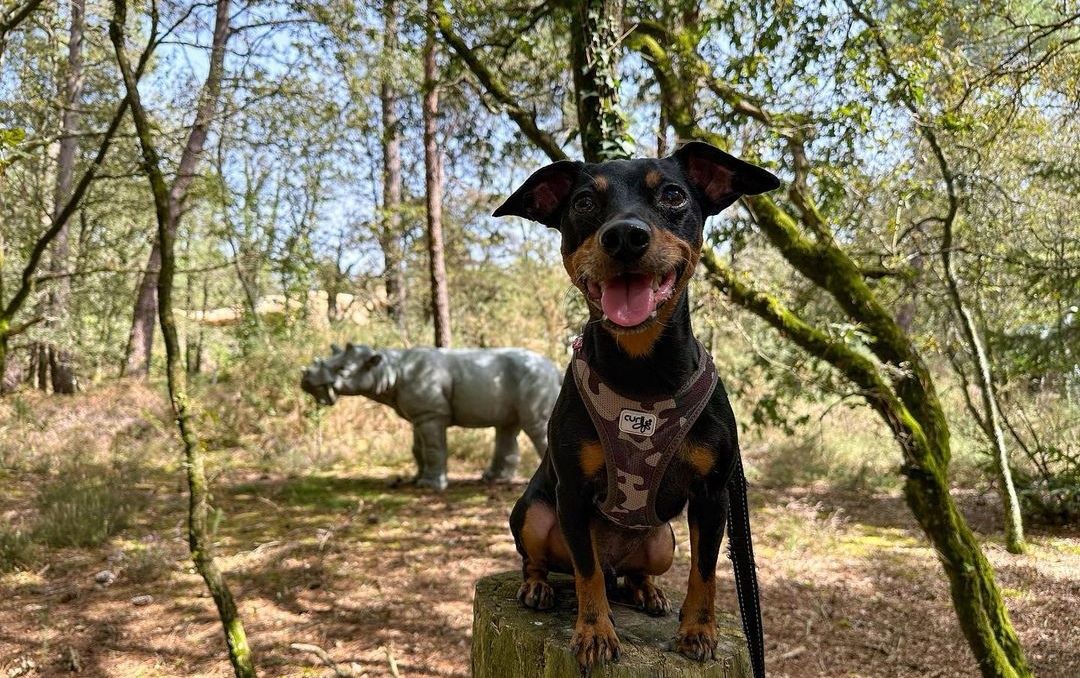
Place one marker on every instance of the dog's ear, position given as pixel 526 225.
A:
pixel 543 195
pixel 721 179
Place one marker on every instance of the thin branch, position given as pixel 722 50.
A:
pixel 491 82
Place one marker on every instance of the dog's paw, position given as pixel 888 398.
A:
pixel 536 594
pixel 697 640
pixel 595 642
pixel 648 597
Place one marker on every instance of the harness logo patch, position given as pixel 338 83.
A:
pixel 637 423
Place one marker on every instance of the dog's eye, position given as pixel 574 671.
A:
pixel 673 196
pixel 584 204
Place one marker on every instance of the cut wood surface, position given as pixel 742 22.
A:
pixel 511 641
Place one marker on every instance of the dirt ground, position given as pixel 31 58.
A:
pixel 379 575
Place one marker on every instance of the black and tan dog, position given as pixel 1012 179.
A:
pixel 642 426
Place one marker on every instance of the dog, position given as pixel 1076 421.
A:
pixel 642 426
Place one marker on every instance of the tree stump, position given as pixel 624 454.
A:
pixel 511 641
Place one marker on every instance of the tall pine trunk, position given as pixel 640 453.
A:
pixel 60 359
pixel 141 336
pixel 390 236
pixel 440 295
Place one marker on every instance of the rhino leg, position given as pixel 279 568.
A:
pixel 507 455
pixel 430 433
pixel 418 454
pixel 538 435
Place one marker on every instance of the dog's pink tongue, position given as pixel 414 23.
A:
pixel 628 299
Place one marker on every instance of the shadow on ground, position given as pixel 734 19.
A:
pixel 372 573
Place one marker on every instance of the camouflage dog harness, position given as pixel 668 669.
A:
pixel 639 437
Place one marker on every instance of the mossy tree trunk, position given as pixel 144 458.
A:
pixel 893 377
pixel 595 51
pixel 991 420
pixel 167 211
pixel 512 641
pixel 896 382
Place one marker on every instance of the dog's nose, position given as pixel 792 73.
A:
pixel 625 239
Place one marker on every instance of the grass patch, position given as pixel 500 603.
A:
pixel 143 562
pixel 83 505
pixel 16 550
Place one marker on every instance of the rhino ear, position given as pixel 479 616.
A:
pixel 349 346
pixel 375 359
pixel 335 349
pixel 543 195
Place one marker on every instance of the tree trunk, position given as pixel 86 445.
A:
pixel 440 295
pixel 595 34
pixel 6 385
pixel 924 442
pixel 167 212
pixel 511 641
pixel 390 239
pixel 990 423
pixel 908 404
pixel 42 376
pixel 60 359
pixel 141 336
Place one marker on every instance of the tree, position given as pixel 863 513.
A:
pixel 28 280
pixel 167 202
pixel 440 295
pixel 11 17
pixel 60 366
pixel 890 373
pixel 595 35
pixel 390 234
pixel 141 336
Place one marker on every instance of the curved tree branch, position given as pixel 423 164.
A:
pixel 525 120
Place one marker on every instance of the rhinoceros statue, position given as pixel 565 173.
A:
pixel 508 389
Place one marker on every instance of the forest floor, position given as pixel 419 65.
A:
pixel 378 575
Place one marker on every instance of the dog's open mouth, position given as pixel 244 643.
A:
pixel 632 299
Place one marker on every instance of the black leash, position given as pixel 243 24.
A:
pixel 741 552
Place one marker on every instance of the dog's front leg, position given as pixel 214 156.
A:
pixel 707 515
pixel 594 639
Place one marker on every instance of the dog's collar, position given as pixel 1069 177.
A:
pixel 639 437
